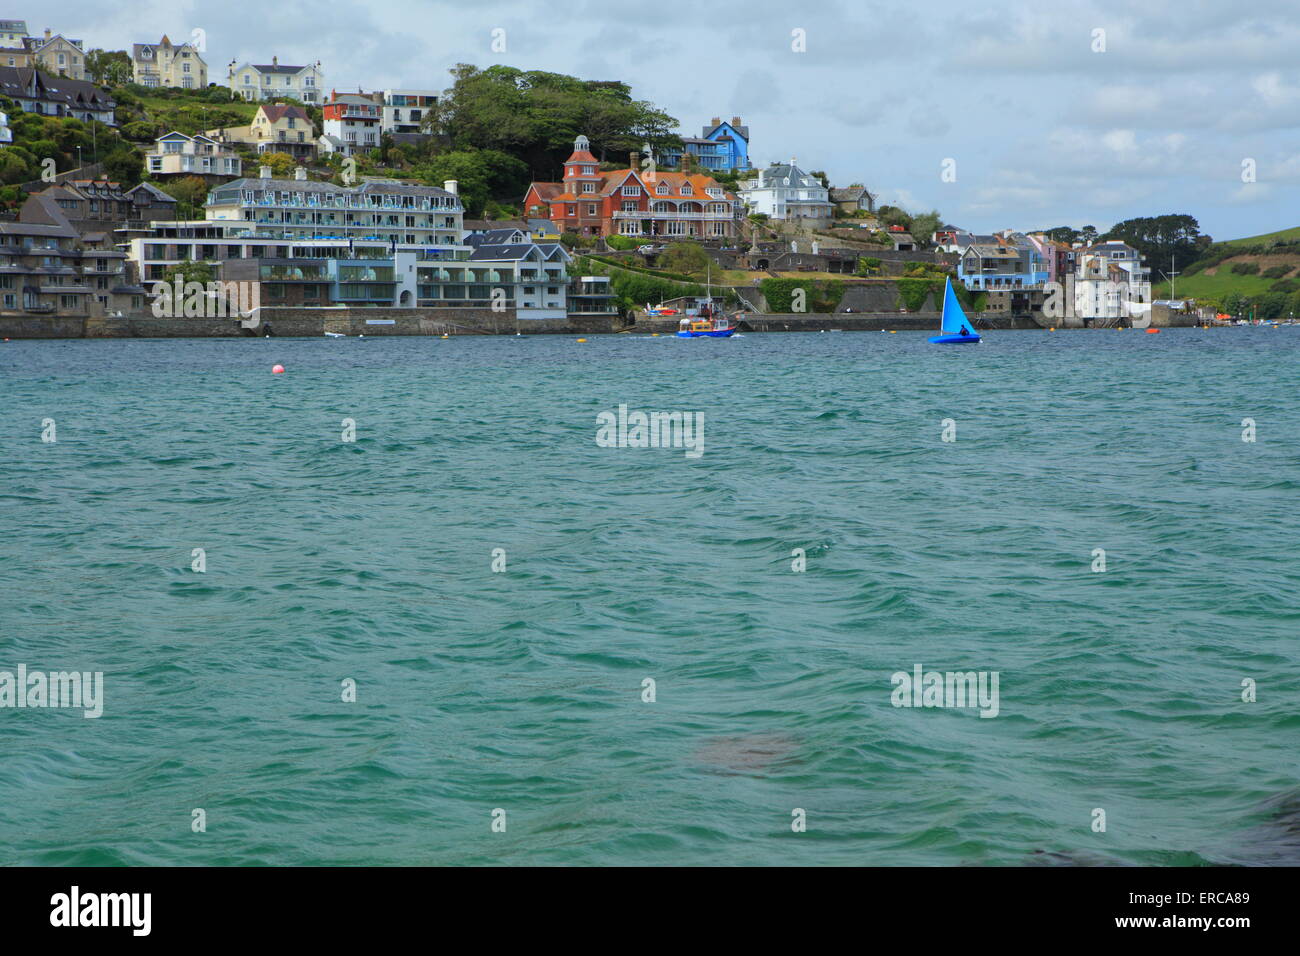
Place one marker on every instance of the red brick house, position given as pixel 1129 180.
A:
pixel 631 202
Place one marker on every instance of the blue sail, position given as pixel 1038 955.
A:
pixel 953 316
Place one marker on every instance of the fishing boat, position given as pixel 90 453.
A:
pixel 954 327
pixel 718 327
pixel 711 323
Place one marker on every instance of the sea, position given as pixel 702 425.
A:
pixel 406 604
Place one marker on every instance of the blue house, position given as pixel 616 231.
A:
pixel 720 148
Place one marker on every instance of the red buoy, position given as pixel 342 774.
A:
pixel 277 370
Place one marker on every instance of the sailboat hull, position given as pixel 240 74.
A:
pixel 955 338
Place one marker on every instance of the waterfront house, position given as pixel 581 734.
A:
pixel 176 154
pixel 786 193
pixel 38 92
pixel 719 148
pixel 352 122
pixel 292 219
pixel 629 202
pixel 270 81
pixel 276 128
pixel 47 268
pixel 164 64
pixel 1110 282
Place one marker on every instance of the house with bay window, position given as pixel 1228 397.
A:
pixel 632 202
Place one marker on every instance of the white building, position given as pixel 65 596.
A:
pixel 784 191
pixel 405 110
pixel 176 154
pixel 351 123
pixel 270 81
pixel 1111 282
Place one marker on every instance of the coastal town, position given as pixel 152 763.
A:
pixel 338 211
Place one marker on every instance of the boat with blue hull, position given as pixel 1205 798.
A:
pixel 719 327
pixel 954 327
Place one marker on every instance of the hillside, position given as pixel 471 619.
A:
pixel 1284 235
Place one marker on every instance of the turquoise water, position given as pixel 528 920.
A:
pixel 522 690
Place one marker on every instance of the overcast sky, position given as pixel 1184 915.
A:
pixel 1043 129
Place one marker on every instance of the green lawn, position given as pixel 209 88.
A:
pixel 1281 235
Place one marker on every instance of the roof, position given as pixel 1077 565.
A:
pixel 612 180
pixel 22 82
pixel 275 68
pixel 742 130
pixel 278 111
pixel 848 193
pixel 232 189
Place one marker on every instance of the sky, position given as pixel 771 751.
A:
pixel 1007 115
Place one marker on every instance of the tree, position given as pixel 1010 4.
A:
pixel 109 67
pixel 190 194
pixel 191 271
pixel 1162 239
pixel 1088 235
pixel 925 226
pixel 820 175
pixel 480 174
pixel 282 164
pixel 684 258
pixel 123 165
pixel 535 116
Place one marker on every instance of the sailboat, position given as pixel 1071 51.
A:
pixel 954 328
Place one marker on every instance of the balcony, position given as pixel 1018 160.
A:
pixel 683 216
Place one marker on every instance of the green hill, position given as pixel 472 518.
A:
pixel 1282 235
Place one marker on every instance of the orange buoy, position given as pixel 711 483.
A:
pixel 1152 331
pixel 277 370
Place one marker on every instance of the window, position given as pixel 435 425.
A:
pixel 662 189
pixel 591 209
pixel 588 187
pixel 631 191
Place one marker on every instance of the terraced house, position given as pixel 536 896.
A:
pixel 50 269
pixel 630 202
pixel 38 92
pixel 166 64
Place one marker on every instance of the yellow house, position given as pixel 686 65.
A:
pixel 166 64
pixel 56 54
pixel 276 128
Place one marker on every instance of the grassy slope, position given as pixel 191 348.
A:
pixel 1292 233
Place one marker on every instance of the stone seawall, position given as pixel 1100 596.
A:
pixel 306 322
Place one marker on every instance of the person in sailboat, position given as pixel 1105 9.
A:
pixel 964 331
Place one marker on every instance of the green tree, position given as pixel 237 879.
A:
pixel 109 67
pixel 190 194
pixel 123 165
pixel 924 226
pixel 480 175
pixel 684 258
pixel 192 271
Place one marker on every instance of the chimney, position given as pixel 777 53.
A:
pixel 452 187
pixel 47 33
pixel 716 121
pixel 634 159
pixel 275 61
pixel 735 121
pixel 299 173
pixel 264 172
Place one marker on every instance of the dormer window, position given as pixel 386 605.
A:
pixel 686 189
pixel 662 189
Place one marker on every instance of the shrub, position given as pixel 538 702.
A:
pixel 1276 272
pixel 1245 268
